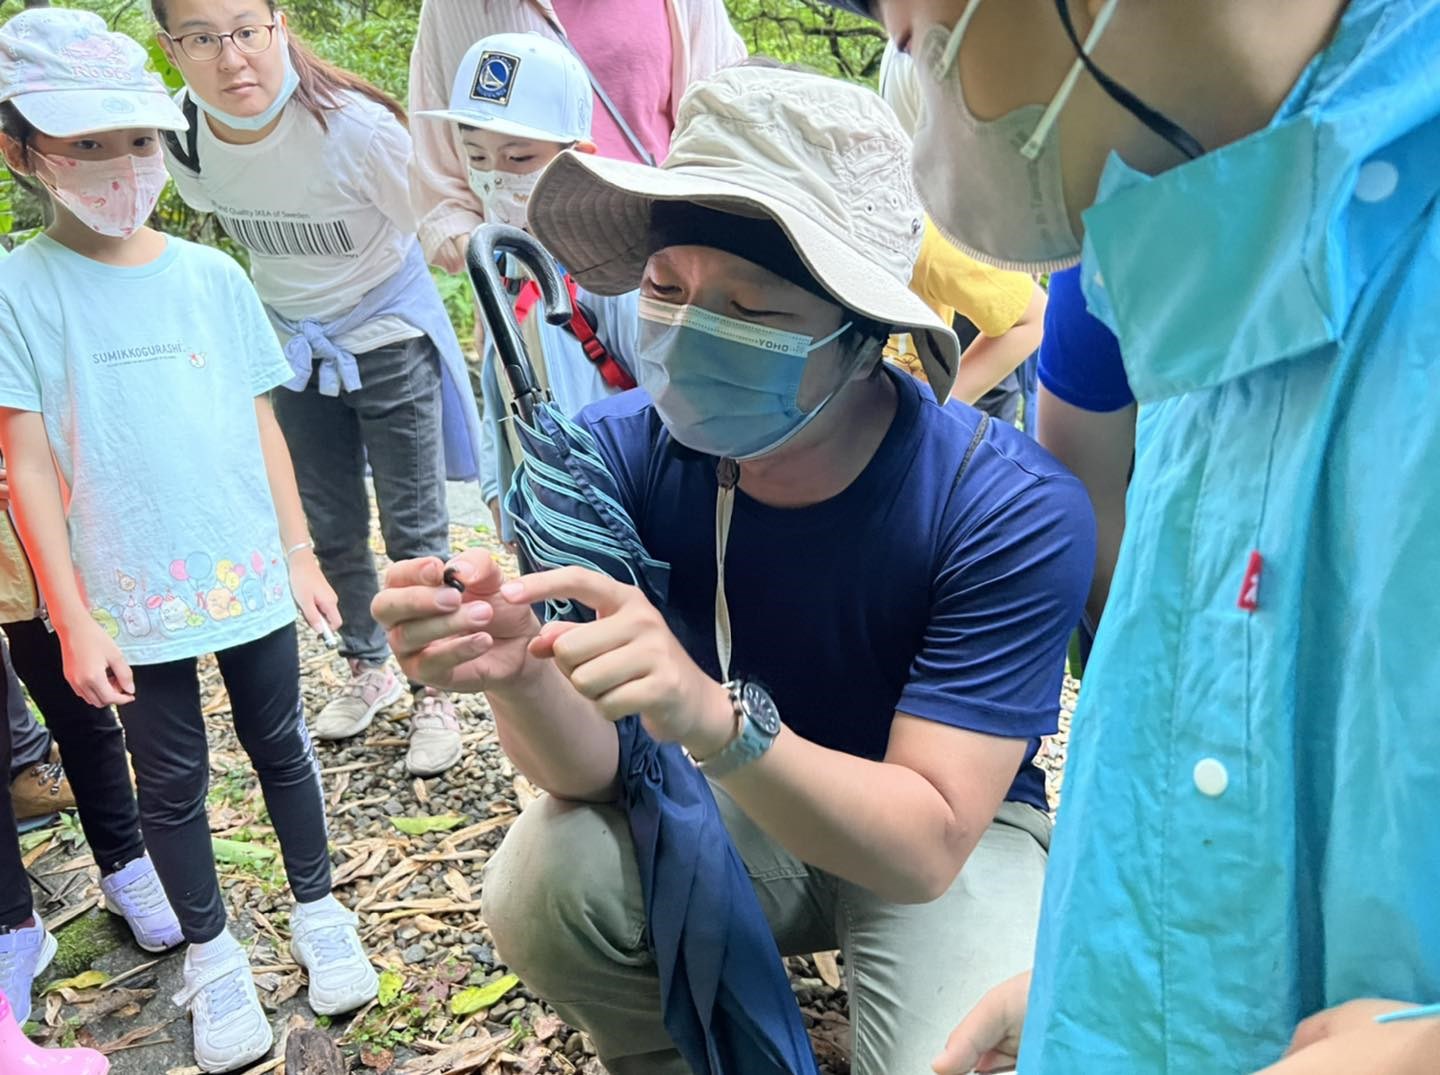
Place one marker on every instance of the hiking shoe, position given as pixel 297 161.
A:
pixel 24 955
pixel 434 735
pixel 41 789
pixel 229 1025
pixel 371 688
pixel 324 941
pixel 134 893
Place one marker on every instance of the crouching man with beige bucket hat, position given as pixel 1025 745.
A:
pixel 868 724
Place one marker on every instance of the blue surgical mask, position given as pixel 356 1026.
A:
pixel 263 119
pixel 722 386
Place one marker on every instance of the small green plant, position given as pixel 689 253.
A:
pixel 232 788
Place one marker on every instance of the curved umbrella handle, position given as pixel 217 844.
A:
pixel 485 242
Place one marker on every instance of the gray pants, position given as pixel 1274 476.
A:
pixel 29 741
pixel 562 898
pixel 393 420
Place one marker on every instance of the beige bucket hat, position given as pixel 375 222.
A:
pixel 824 159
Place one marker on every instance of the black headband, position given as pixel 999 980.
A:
pixel 758 240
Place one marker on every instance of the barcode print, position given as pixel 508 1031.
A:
pixel 282 238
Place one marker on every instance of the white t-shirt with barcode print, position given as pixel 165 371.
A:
pixel 324 214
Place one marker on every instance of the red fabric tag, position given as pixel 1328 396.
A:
pixel 1250 588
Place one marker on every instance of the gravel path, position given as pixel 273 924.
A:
pixel 448 1003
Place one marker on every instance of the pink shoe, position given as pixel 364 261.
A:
pixel 20 1056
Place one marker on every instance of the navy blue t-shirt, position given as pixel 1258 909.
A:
pixel 1079 356
pixel 907 591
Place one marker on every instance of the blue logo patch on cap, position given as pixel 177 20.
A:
pixel 117 106
pixel 495 77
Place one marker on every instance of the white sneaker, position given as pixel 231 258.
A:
pixel 435 743
pixel 24 955
pixel 135 894
pixel 371 688
pixel 325 942
pixel 231 1029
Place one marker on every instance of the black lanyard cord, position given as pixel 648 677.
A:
pixel 1168 129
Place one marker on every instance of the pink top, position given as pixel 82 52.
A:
pixel 627 46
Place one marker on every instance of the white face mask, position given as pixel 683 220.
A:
pixel 995 187
pixel 505 196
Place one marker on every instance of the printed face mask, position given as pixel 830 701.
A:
pixel 111 197
pixel 722 386
pixel 994 186
pixel 505 196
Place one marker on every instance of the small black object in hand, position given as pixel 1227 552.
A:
pixel 452 579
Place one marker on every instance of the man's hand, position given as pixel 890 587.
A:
pixel 988 1039
pixel 94 667
pixel 628 661
pixel 314 596
pixel 475 641
pixel 1347 1039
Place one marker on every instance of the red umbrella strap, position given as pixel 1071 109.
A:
pixel 580 327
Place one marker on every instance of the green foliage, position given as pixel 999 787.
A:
pixel 419 826
pixel 84 941
pixel 479 998
pixel 811 33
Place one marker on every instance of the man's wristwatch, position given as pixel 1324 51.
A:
pixel 758 723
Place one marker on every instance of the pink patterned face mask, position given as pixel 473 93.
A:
pixel 111 197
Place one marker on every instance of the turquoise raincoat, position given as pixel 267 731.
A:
pixel 1250 829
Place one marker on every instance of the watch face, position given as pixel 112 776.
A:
pixel 760 709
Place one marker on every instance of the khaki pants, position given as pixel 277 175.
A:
pixel 562 898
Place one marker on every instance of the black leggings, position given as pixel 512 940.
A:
pixel 92 747
pixel 15 905
pixel 165 732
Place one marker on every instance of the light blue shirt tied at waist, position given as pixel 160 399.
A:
pixel 410 295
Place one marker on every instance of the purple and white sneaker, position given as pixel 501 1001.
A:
pixel 134 893
pixel 25 952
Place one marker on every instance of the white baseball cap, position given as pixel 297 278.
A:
pixel 522 84
pixel 68 74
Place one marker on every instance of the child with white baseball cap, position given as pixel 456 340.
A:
pixel 518 102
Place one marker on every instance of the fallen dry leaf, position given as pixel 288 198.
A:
pixel 134 1039
pixel 459 1059
pixel 456 883
pixel 828 969
pixel 379 1060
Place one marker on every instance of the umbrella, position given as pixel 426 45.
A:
pixel 726 1000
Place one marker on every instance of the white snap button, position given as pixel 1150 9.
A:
pixel 1211 777
pixel 1377 181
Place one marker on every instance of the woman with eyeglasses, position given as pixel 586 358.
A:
pixel 304 165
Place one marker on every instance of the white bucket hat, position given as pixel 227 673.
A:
pixel 68 74
pixel 524 85
pixel 824 159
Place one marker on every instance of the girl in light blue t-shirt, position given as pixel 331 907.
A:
pixel 137 367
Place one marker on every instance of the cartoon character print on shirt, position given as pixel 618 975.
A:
pixel 132 614
pixel 222 590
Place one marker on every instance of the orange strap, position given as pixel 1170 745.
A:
pixel 611 371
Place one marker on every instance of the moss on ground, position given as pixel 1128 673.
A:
pixel 83 941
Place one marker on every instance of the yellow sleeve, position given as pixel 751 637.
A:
pixel 949 280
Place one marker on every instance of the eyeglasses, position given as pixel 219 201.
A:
pixel 204 46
